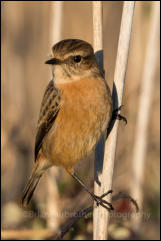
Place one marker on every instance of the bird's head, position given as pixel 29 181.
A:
pixel 72 59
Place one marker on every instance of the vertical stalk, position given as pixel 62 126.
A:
pixel 53 208
pixel 98 48
pixel 140 144
pixel 101 216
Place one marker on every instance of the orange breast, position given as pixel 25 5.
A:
pixel 85 112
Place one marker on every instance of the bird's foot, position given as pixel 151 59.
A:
pixel 117 116
pixel 100 201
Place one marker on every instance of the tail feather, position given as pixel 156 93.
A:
pixel 31 185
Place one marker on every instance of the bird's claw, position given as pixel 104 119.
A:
pixel 100 201
pixel 117 116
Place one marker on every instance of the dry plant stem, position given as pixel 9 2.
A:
pixel 52 191
pixel 56 21
pixel 147 83
pixel 105 177
pixel 98 31
pixel 98 48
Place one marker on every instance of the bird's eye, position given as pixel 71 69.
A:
pixel 77 58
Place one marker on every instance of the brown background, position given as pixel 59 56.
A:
pixel 25 47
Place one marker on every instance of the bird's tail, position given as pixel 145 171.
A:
pixel 31 185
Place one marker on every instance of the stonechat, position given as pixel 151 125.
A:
pixel 75 112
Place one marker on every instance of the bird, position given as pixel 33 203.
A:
pixel 75 112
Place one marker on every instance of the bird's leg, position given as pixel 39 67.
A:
pixel 116 115
pixel 98 199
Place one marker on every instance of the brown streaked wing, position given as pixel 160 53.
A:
pixel 48 112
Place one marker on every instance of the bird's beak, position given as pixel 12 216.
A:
pixel 53 61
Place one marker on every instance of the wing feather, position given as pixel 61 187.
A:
pixel 48 112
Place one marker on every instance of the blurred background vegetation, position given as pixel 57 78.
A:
pixel 25 47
